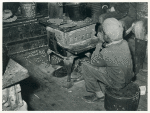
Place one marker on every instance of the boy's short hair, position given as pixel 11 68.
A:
pixel 113 29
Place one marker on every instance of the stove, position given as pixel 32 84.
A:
pixel 76 38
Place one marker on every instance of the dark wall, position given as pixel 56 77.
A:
pixel 42 8
pixel 13 6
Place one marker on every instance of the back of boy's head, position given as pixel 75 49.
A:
pixel 140 30
pixel 113 29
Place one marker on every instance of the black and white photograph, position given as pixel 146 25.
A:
pixel 74 56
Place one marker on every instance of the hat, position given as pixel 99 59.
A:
pixel 113 29
pixel 8 16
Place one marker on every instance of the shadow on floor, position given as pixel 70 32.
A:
pixel 28 87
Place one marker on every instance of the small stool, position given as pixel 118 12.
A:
pixel 126 99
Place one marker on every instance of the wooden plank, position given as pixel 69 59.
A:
pixel 14 73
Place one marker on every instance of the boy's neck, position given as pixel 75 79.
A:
pixel 114 42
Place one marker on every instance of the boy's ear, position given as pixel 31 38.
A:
pixel 108 39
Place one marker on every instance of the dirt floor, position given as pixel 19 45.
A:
pixel 44 92
pixel 53 97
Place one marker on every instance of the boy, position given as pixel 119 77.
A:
pixel 111 66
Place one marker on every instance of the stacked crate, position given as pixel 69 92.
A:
pixel 12 99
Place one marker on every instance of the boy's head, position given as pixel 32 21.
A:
pixel 140 30
pixel 112 29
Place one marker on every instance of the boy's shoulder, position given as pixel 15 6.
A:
pixel 115 47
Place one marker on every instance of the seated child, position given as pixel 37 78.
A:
pixel 110 66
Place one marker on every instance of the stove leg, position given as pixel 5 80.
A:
pixel 68 65
pixel 49 57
